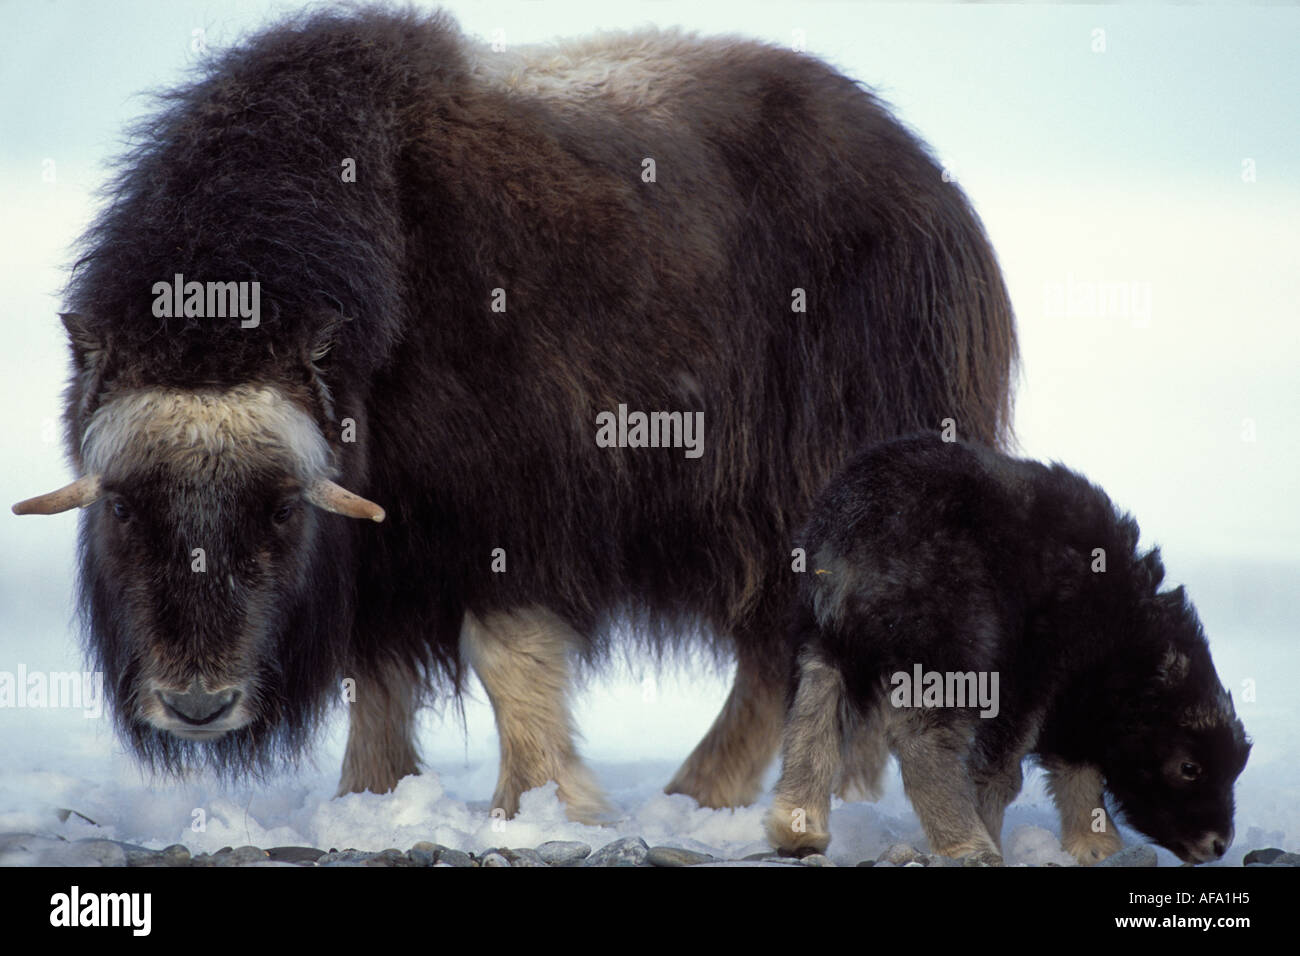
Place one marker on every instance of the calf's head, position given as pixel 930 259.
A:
pixel 1173 761
pixel 209 572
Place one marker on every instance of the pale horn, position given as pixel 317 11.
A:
pixel 325 494
pixel 82 492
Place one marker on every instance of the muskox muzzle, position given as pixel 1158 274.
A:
pixel 195 712
pixel 197 707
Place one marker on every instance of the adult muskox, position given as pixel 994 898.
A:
pixel 463 260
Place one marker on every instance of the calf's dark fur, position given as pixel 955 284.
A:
pixel 959 561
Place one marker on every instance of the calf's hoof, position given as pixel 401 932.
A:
pixel 1091 847
pixel 793 832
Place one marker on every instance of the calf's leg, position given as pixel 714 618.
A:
pixel 1087 831
pixel 866 753
pixel 932 758
pixel 811 748
pixel 995 788
pixel 996 770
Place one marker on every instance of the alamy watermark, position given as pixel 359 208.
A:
pixel 923 688
pixel 209 300
pixel 76 690
pixel 1096 299
pixel 74 908
pixel 651 430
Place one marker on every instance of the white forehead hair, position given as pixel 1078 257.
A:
pixel 204 431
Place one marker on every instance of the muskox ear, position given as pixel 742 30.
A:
pixel 1172 603
pixel 88 347
pixel 314 359
pixel 1173 667
pixel 90 351
pixel 326 337
pixel 1150 571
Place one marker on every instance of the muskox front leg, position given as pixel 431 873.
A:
pixel 996 770
pixel 381 731
pixel 726 768
pixel 995 788
pixel 933 761
pixel 1087 831
pixel 811 748
pixel 522 660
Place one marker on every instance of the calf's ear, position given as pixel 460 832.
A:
pixel 1173 667
pixel 1151 570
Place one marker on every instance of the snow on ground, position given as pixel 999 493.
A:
pixel 638 726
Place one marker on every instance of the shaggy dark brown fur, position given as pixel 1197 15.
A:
pixel 959 560
pixel 475 429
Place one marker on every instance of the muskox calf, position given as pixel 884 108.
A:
pixel 976 572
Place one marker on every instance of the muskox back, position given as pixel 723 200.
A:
pixel 776 180
pixel 468 258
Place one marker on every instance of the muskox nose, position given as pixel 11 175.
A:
pixel 1221 843
pixel 196 706
pixel 1212 846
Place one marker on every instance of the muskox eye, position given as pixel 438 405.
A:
pixel 121 511
pixel 1190 771
pixel 282 513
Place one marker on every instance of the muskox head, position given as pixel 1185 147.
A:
pixel 1178 746
pixel 211 578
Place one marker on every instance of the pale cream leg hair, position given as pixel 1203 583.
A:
pixel 381 732
pixel 935 779
pixel 522 660
pixel 726 768
pixel 1077 790
pixel 799 821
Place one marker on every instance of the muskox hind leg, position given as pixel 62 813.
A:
pixel 726 768
pixel 811 749
pixel 1087 831
pixel 934 766
pixel 866 753
pixel 381 731
pixel 522 660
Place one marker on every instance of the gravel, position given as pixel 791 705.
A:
pixel 1132 856
pixel 563 852
pixel 29 849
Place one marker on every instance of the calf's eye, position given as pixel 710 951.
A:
pixel 1190 771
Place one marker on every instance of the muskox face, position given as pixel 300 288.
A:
pixel 1172 769
pixel 204 548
